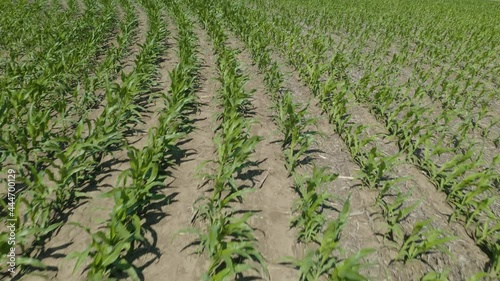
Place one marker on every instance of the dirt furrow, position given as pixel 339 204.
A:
pixel 274 196
pixel 152 99
pixel 176 261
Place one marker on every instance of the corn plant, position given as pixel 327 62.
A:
pixel 309 206
pixel 374 167
pixel 321 262
pixel 436 276
pixel 294 125
pixel 108 248
pixel 230 242
pixel 348 269
pixel 395 212
pixel 423 240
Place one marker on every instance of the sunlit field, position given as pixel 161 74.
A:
pixel 181 140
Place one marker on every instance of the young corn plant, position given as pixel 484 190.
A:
pixel 348 269
pixel 388 186
pixel 486 231
pixel 321 262
pixel 110 246
pixel 123 232
pixel 294 125
pixel 230 244
pixel 423 240
pixel 234 147
pixel 309 207
pixel 375 166
pixel 436 276
pixel 395 212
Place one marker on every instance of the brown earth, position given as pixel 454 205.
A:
pixel 274 195
pixel 178 261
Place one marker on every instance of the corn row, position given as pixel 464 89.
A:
pixel 228 239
